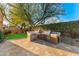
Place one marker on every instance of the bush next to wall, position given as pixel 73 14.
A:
pixel 1 36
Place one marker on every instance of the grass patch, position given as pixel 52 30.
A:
pixel 16 36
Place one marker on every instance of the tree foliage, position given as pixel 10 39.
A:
pixel 18 16
pixel 1 17
pixel 35 13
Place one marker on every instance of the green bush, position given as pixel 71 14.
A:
pixel 1 36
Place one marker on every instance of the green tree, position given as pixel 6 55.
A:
pixel 1 22
pixel 1 17
pixel 18 14
pixel 36 13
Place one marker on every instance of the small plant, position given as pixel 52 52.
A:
pixel 1 36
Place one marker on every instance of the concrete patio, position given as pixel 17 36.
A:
pixel 9 49
pixel 41 49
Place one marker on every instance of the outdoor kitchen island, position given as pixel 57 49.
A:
pixel 46 36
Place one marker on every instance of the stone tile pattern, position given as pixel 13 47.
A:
pixel 40 49
pixel 70 41
pixel 60 45
pixel 68 47
pixel 9 49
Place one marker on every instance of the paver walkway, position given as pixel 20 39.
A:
pixel 40 49
pixel 9 49
pixel 62 46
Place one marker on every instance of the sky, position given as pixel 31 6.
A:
pixel 71 11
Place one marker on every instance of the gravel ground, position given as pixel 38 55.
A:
pixel 9 49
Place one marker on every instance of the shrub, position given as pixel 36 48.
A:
pixel 6 32
pixel 1 36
